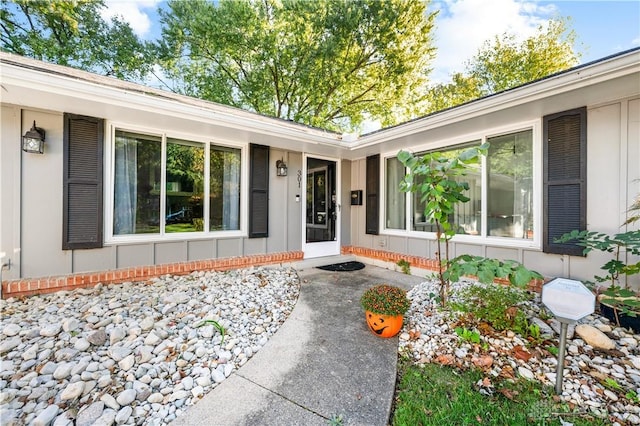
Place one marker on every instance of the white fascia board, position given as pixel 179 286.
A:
pixel 582 77
pixel 88 86
pixel 186 108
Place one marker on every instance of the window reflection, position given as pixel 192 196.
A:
pixel 185 187
pixel 139 186
pixel 224 189
pixel 466 217
pixel 136 198
pixel 510 189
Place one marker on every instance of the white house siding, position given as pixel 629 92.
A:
pixel 10 190
pixel 345 202
pixel 41 197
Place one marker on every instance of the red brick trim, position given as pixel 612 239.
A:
pixel 388 256
pixel 416 261
pixel 32 286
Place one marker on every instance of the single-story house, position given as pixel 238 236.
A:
pixel 135 182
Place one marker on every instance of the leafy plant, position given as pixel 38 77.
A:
pixel 622 300
pixel 553 350
pixel 405 265
pixel 634 211
pixel 435 176
pixel 623 246
pixel 385 299
pixel 487 270
pixel 467 335
pixel 612 384
pixel 336 420
pixel 533 331
pixel 495 304
pixel 632 396
pixel 216 324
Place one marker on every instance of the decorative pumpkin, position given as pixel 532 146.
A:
pixel 384 325
pixel 384 307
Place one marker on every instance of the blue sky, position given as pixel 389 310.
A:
pixel 603 27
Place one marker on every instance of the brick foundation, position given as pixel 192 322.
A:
pixel 417 262
pixel 32 286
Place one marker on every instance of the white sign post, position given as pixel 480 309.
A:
pixel 569 301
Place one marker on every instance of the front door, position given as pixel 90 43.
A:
pixel 321 209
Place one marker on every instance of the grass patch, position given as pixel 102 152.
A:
pixel 438 395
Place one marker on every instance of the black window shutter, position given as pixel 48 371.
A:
pixel 258 191
pixel 565 178
pixel 373 201
pixel 82 182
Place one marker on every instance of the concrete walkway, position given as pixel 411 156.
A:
pixel 322 363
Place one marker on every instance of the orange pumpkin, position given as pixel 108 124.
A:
pixel 384 325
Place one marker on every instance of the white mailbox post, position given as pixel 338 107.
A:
pixel 569 301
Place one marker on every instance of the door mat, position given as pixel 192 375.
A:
pixel 344 266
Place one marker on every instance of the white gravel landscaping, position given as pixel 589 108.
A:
pixel 134 353
pixel 428 336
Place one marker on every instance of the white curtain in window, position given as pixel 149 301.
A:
pixel 126 164
pixel 396 200
pixel 231 191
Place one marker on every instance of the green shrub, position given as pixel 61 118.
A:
pixel 492 303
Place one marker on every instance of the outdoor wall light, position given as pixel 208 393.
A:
pixel 281 168
pixel 33 140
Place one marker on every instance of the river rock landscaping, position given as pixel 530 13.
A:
pixel 135 353
pixel 142 353
pixel 602 363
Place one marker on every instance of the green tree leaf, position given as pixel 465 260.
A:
pixel 72 33
pixel 505 62
pixel 325 63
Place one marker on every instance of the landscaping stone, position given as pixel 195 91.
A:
pixel 587 366
pixel 46 416
pixel 133 353
pixel 594 337
pixel 90 414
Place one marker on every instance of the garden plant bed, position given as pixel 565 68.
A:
pixel 601 386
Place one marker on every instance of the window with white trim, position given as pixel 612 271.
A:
pixel 164 185
pixel 500 191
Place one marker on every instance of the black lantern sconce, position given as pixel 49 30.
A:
pixel 33 140
pixel 281 168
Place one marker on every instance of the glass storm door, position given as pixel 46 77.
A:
pixel 321 208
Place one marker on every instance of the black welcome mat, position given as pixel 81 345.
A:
pixel 344 266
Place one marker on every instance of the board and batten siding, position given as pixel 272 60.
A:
pixel 38 244
pixel 613 173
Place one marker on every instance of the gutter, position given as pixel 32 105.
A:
pixel 616 66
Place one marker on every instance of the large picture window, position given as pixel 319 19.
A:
pixel 156 193
pixel 504 178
